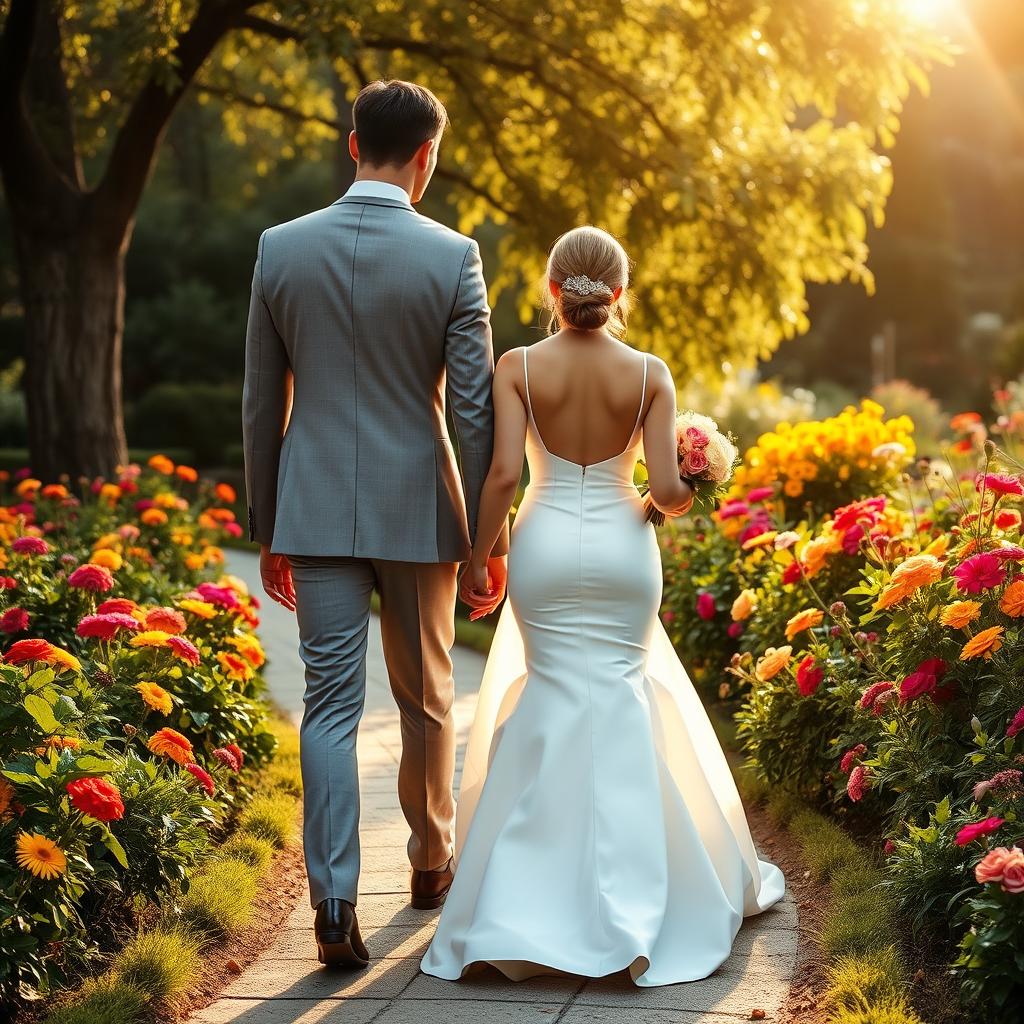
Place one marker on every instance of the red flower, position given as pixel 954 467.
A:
pixel 8 582
pixel 120 605
pixel 977 830
pixel 97 798
pixel 979 572
pixel 228 757
pixel 30 546
pixel 1017 724
pixel 705 605
pixel 204 777
pixel 184 649
pixel 846 764
pixel 235 749
pixel 28 650
pixel 808 676
pixel 92 577
pixel 872 693
pixel 857 783
pixel 922 680
pixel 867 510
pixel 735 630
pixel 1000 483
pixel 792 572
pixel 14 620
pixel 106 626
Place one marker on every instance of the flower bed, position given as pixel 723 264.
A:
pixel 130 700
pixel 872 646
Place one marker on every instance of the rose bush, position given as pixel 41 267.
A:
pixel 879 663
pixel 130 701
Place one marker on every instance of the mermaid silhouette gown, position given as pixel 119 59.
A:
pixel 598 825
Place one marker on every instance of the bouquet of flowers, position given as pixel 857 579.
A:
pixel 707 458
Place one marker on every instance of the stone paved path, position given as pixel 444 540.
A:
pixel 286 985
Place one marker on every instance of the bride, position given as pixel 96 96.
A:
pixel 598 825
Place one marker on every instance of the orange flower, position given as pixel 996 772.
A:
pixel 28 487
pixel 168 620
pixel 62 659
pixel 110 493
pixel 155 697
pixel 195 562
pixel 916 572
pixel 63 742
pixel 803 620
pixel 225 493
pixel 1012 601
pixel 7 792
pixel 250 649
pixel 187 473
pixel 983 644
pixel 107 558
pixel 235 667
pixel 42 856
pixel 161 464
pixel 170 743
pixel 55 491
pixel 774 660
pixel 744 605
pixel 153 517
pixel 815 553
pixel 938 546
pixel 960 613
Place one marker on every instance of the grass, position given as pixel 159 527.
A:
pixel 271 818
pixel 104 1001
pixel 162 963
pixel 250 850
pixel 220 899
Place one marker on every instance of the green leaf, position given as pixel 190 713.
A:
pixel 942 811
pixel 92 763
pixel 41 711
pixel 22 777
pixel 111 843
pixel 39 679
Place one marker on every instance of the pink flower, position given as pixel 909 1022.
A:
pixel 735 630
pixel 228 757
pixel 852 538
pixel 233 529
pixel 1013 877
pixel 977 830
pixel 30 546
pixel 705 606
pixel 991 867
pixel 808 676
pixel 1017 724
pixel 889 847
pixel 730 509
pixel 760 494
pixel 850 756
pixel 694 462
pixel 865 511
pixel 123 605
pixel 8 582
pixel 14 620
pixel 696 438
pixel 223 596
pixel 923 680
pixel 204 777
pixel 92 577
pixel 668 617
pixel 1000 483
pixel 106 625
pixel 184 649
pixel 871 694
pixel 979 572
pixel 857 783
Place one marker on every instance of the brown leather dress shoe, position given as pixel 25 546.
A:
pixel 429 888
pixel 338 942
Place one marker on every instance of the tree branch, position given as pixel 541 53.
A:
pixel 267 27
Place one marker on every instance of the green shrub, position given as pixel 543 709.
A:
pixel 162 963
pixel 858 983
pixel 857 924
pixel 105 1001
pixel 255 852
pixel 220 899
pixel 894 1011
pixel 271 818
pixel 202 417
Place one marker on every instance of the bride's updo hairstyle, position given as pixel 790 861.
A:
pixel 588 265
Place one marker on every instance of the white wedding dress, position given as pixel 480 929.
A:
pixel 598 826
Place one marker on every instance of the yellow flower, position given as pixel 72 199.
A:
pixel 42 856
pixel 960 613
pixel 62 659
pixel 814 554
pixel 744 605
pixel 109 540
pixel 166 499
pixel 150 638
pixel 774 660
pixel 985 643
pixel 938 546
pixel 107 558
pixel 793 488
pixel 201 609
pixel 760 540
pixel 195 562
pixel 910 575
pixel 236 583
pixel 803 620
pixel 155 697
pixel 250 649
pixel 1012 601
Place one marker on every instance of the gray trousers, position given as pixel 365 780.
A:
pixel 417 611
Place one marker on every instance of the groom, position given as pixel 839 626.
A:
pixel 362 317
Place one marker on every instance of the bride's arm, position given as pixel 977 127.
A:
pixel 669 493
pixel 503 477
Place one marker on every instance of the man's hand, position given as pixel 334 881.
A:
pixel 482 587
pixel 277 578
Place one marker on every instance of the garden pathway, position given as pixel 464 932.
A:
pixel 286 985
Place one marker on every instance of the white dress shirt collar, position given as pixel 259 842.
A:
pixel 369 189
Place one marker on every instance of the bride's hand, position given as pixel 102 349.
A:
pixel 475 589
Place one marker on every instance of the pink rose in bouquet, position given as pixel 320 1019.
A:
pixel 707 458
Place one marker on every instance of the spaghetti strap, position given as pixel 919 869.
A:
pixel 643 398
pixel 526 376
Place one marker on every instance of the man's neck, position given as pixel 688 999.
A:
pixel 390 175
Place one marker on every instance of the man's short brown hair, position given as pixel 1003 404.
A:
pixel 393 119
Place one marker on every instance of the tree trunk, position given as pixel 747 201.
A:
pixel 73 291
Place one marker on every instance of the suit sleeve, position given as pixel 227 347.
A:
pixel 264 408
pixel 469 359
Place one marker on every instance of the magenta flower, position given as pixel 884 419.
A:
pixel 735 630
pixel 872 693
pixel 14 620
pixel 922 680
pixel 857 783
pixel 999 483
pixel 107 625
pixel 846 764
pixel 92 577
pixel 979 572
pixel 705 605
pixel 760 494
pixel 1017 724
pixel 229 758
pixel 30 546
pixel 184 649
pixel 977 830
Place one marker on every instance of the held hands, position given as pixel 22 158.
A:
pixel 482 586
pixel 276 572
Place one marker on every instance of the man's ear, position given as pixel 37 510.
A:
pixel 554 287
pixel 422 157
pixel 353 146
